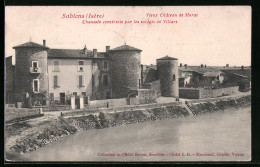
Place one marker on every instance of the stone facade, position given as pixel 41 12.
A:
pixel 24 75
pixel 101 90
pixel 106 75
pixel 167 69
pixel 9 75
pixel 126 71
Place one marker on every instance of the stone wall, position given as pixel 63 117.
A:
pixel 126 71
pixel 144 96
pixel 19 113
pixel 105 120
pixel 9 75
pixel 23 77
pixel 189 93
pixel 166 71
pixel 219 104
pixel 119 109
pixel 218 92
pixel 149 75
pixel 199 93
pixel 107 103
pixel 100 91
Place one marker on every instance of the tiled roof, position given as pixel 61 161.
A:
pixel 125 47
pixel 212 74
pixel 167 58
pixel 246 73
pixel 74 53
pixel 30 45
pixel 207 72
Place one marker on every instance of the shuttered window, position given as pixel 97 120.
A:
pixel 56 81
pixel 81 81
pixel 35 85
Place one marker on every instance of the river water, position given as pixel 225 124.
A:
pixel 206 137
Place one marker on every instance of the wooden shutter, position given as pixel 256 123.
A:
pixel 55 80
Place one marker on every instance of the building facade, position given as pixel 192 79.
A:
pixel 60 73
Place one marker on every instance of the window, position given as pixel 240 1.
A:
pixel 35 66
pixel 105 65
pixel 56 83
pixel 108 95
pixel 51 96
pixel 173 78
pixel 105 80
pixel 81 66
pixel 81 81
pixel 56 64
pixel 36 85
pixel 74 93
pixel 84 93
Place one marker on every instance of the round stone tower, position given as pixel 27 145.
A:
pixel 167 70
pixel 31 73
pixel 126 70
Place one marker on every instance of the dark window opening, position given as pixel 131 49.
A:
pixel 84 93
pixel 81 63
pixel 74 93
pixel 35 86
pixel 35 64
pixel 105 65
pixel 108 95
pixel 81 81
pixel 105 80
pixel 173 78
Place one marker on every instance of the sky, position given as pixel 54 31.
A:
pixel 217 36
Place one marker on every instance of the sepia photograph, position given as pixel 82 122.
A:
pixel 127 83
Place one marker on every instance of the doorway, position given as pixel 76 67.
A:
pixel 62 98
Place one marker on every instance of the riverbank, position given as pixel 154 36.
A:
pixel 27 136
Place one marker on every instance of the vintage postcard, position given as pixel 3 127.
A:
pixel 127 83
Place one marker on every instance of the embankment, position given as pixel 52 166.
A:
pixel 25 137
pixel 219 104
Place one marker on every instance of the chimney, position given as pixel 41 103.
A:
pixel 201 66
pixel 227 65
pixel 107 48
pixel 242 67
pixel 44 42
pixel 85 50
pixel 185 66
pixel 95 53
pixel 180 64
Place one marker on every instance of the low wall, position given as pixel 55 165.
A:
pixel 119 109
pixel 199 93
pixel 12 114
pixel 110 102
pixel 189 93
pixel 55 108
pixel 218 92
pixel 144 96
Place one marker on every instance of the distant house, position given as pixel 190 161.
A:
pixel 238 76
pixel 199 76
